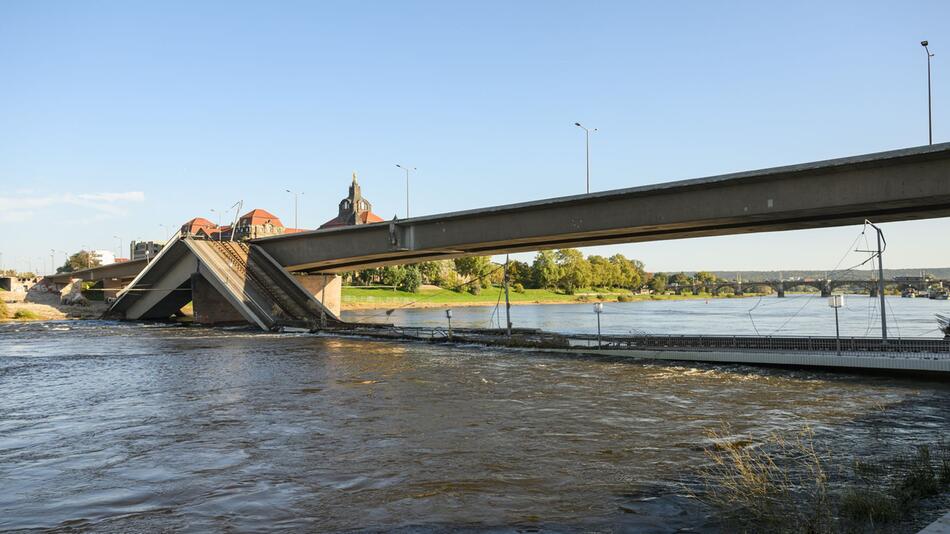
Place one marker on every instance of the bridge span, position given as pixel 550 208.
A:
pixel 889 186
pixel 898 185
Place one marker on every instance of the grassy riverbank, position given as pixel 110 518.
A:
pixel 430 297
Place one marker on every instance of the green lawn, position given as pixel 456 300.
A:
pixel 367 296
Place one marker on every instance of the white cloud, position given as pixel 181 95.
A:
pixel 104 205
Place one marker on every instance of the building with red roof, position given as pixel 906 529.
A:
pixel 253 224
pixel 199 226
pixel 354 209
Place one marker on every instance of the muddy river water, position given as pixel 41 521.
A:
pixel 112 426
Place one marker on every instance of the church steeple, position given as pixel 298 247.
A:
pixel 354 209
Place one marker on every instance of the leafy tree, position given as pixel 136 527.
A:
pixel 575 270
pixel 392 275
pixel 432 272
pixel 473 269
pixel 658 283
pixel 704 277
pixel 545 271
pixel 681 279
pixel 472 266
pixel 79 261
pixel 411 279
pixel 519 272
pixel 604 273
pixel 631 271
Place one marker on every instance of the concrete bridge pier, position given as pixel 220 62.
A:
pixel 326 288
pixel 873 292
pixel 210 306
pixel 826 289
pixel 780 291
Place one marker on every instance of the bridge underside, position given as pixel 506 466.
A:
pixel 228 283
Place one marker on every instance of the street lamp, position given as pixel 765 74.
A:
pixel 587 147
pixel 219 222
pixel 295 194
pixel 119 248
pixel 930 128
pixel 598 309
pixel 836 301
pixel 407 169
pixel 448 316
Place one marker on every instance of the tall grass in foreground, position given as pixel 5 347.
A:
pixel 790 485
pixel 779 485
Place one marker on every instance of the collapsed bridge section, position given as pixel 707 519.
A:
pixel 227 283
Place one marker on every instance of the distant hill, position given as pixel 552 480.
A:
pixel 941 273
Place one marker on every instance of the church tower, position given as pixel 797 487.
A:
pixel 354 209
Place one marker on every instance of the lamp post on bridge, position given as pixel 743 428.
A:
pixel 295 194
pixel 407 169
pixel 587 149
pixel 119 248
pixel 219 222
pixel 930 129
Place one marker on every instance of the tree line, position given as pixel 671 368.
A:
pixel 565 270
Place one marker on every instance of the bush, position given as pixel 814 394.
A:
pixel 624 298
pixel 25 315
pixel 518 288
pixel 4 312
pixel 474 287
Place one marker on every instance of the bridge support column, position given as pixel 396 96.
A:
pixel 111 287
pixel 780 291
pixel 210 306
pixel 873 291
pixel 825 289
pixel 326 288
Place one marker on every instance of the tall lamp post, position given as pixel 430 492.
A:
pixel 119 248
pixel 219 222
pixel 587 149
pixel 836 301
pixel 295 194
pixel 598 309
pixel 930 127
pixel 407 169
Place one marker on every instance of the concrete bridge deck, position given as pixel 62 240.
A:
pixel 889 186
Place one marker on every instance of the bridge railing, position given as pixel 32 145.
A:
pixel 849 346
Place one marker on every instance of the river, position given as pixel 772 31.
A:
pixel 131 427
pixel 806 315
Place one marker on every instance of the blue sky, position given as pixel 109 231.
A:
pixel 119 117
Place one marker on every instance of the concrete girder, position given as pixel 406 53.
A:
pixel 156 296
pixel 889 186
